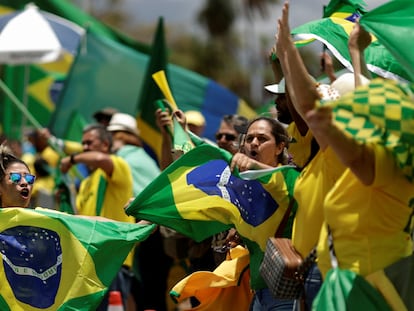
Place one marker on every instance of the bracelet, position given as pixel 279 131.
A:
pixel 72 158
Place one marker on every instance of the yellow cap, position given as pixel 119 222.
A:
pixel 195 117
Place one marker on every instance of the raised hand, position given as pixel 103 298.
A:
pixel 359 38
pixel 283 38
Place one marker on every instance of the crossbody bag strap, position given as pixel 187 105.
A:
pixel 408 226
pixel 283 223
pixel 334 260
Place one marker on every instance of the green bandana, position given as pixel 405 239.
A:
pixel 383 112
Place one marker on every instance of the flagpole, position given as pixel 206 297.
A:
pixel 25 92
pixel 32 120
pixel 324 48
pixel 20 105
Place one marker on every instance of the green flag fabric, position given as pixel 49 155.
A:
pixel 192 91
pixel 383 112
pixel 37 85
pixel 108 74
pixel 392 24
pixel 75 14
pixel 333 31
pixel 56 261
pixel 344 8
pixel 104 74
pixel 198 196
pixel 150 93
pixel 45 81
pixel 345 290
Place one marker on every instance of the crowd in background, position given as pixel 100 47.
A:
pixel 347 191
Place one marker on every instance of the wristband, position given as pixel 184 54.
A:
pixel 72 158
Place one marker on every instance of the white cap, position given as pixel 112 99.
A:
pixel 345 83
pixel 277 88
pixel 123 122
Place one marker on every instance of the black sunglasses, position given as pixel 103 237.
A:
pixel 17 177
pixel 228 137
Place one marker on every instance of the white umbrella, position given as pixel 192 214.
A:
pixel 28 38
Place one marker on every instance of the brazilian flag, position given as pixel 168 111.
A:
pixel 198 196
pixel 55 261
pixel 334 29
pixel 392 23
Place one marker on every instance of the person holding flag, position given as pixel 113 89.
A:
pixel 67 255
pixel 106 190
pixel 264 147
pixel 367 213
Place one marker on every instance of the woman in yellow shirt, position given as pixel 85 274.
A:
pixel 370 204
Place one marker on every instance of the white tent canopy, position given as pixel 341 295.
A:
pixel 28 38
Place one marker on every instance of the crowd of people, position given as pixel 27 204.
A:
pixel 350 195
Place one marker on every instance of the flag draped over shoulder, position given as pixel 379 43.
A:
pixel 198 196
pixel 392 24
pixel 55 261
pixel 334 31
pixel 383 112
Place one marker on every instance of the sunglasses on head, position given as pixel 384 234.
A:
pixel 228 137
pixel 17 177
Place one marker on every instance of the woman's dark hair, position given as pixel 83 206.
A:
pixel 279 133
pixel 6 159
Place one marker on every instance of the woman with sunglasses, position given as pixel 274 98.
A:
pixel 16 182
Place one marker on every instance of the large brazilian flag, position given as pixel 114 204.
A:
pixel 392 23
pixel 334 29
pixel 56 261
pixel 199 196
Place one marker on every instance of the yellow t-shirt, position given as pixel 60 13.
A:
pixel 367 222
pixel 311 187
pixel 72 147
pixel 51 156
pixel 101 195
pixel 300 146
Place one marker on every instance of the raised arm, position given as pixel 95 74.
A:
pixel 327 66
pixel 358 157
pixel 278 75
pixel 300 85
pixel 359 40
pixel 93 159
pixel 164 123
